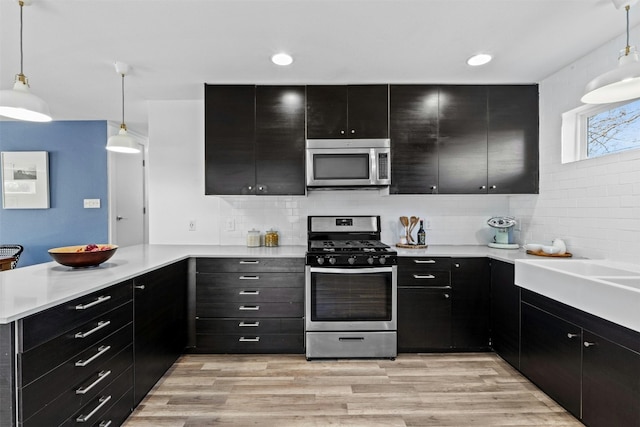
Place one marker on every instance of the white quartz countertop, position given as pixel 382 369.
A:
pixel 29 290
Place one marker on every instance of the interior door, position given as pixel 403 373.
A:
pixel 128 225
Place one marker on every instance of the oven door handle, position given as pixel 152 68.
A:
pixel 338 270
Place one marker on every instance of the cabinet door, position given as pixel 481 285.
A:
pixel 424 319
pixel 610 383
pixel 326 111
pixel 368 111
pixel 229 134
pixel 160 331
pixel 513 139
pixel 414 136
pixel 551 356
pixel 470 303
pixel 505 312
pixel 462 139
pixel 280 141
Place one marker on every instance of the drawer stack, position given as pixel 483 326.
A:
pixel 250 305
pixel 76 361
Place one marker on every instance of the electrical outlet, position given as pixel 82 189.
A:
pixel 192 225
pixel 91 203
pixel 230 224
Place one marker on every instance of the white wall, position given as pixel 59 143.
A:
pixel 176 196
pixel 593 204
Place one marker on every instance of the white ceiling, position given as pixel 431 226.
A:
pixel 175 46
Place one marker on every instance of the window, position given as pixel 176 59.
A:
pixel 592 131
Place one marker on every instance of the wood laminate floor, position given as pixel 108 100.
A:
pixel 467 389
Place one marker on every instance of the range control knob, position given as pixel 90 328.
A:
pixel 370 260
pixel 332 261
pixel 351 260
pixel 320 260
pixel 383 260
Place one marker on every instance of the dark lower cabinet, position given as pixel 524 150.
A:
pixel 505 312
pixel 470 303
pixel 550 356
pixel 610 383
pixel 160 333
pixel 424 319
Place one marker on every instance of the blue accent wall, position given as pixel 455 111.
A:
pixel 77 171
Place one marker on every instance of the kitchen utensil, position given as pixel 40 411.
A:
pixel 413 221
pixel 504 232
pixel 79 256
pixel 405 223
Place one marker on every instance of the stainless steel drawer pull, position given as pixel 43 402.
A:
pixel 249 307
pixel 101 324
pixel 589 344
pixel 247 325
pixel 100 300
pixel 424 261
pixel 105 424
pixel 570 335
pixel 254 339
pixel 351 339
pixel 249 293
pixel 101 350
pixel 250 262
pixel 101 376
pixel 141 287
pixel 249 277
pixel 84 418
pixel 424 276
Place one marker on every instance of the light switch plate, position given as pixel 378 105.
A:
pixel 91 203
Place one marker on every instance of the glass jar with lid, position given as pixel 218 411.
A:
pixel 271 238
pixel 253 238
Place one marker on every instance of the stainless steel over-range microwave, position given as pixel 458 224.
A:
pixel 333 163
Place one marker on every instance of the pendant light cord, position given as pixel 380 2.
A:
pixel 628 48
pixel 123 101
pixel 21 51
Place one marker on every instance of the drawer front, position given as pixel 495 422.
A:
pixel 40 360
pixel 96 358
pixel 420 264
pixel 248 294
pixel 249 265
pixel 247 326
pixel 430 278
pixel 250 343
pixel 101 406
pixel 84 391
pixel 252 310
pixel 55 321
pixel 116 414
pixel 240 280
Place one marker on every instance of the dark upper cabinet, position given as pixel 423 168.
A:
pixel 354 111
pixel 229 134
pixel 280 140
pixel 254 140
pixel 462 139
pixel 513 139
pixel 413 117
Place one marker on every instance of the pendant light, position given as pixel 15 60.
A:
pixel 19 103
pixel 621 83
pixel 122 142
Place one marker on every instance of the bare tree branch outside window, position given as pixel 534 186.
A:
pixel 614 130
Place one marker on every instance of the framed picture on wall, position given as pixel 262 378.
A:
pixel 25 179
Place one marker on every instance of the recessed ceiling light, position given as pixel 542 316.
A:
pixel 282 59
pixel 479 59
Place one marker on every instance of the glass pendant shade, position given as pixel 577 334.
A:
pixel 122 143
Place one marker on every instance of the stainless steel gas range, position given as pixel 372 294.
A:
pixel 350 289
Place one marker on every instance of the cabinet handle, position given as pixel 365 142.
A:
pixel 105 424
pixel 424 276
pixel 483 187
pixel 493 187
pixel 249 325
pixel 100 300
pixel 456 265
pixel 350 338
pixel 424 261
pixel 84 418
pixel 253 261
pixel 341 132
pixel 254 339
pixel 249 277
pixel 588 344
pixel 353 131
pixel 101 324
pixel 101 350
pixel 433 187
pixel 101 377
pixel 249 293
pixel 570 335
pixel 260 187
pixel 250 187
pixel 447 296
pixel 141 287
pixel 249 307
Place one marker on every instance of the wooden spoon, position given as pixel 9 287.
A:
pixel 405 223
pixel 414 222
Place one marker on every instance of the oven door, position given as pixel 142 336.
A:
pixel 351 299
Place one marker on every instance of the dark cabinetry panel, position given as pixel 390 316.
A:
pixel 505 312
pixel 356 111
pixel 471 303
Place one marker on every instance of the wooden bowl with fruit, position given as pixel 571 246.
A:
pixel 83 255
